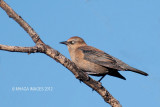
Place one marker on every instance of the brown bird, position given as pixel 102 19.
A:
pixel 96 62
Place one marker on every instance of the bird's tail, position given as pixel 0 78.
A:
pixel 137 71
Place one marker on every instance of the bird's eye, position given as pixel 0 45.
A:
pixel 72 42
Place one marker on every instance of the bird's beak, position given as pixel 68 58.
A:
pixel 64 42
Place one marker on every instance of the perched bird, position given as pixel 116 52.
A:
pixel 96 62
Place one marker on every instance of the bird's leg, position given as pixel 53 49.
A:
pixel 101 78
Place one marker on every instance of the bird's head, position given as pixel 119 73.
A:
pixel 74 42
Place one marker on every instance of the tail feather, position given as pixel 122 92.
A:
pixel 137 71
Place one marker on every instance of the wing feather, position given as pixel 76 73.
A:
pixel 99 57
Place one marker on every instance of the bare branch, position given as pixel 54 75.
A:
pixel 54 54
pixel 34 49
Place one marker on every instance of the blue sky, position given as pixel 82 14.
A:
pixel 128 30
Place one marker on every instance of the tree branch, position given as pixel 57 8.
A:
pixel 34 49
pixel 54 54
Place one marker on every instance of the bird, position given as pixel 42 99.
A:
pixel 96 62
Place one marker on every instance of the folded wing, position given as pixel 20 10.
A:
pixel 99 57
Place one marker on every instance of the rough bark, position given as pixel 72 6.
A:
pixel 41 47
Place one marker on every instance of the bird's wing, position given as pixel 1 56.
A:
pixel 99 57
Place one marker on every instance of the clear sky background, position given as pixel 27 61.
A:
pixel 126 29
